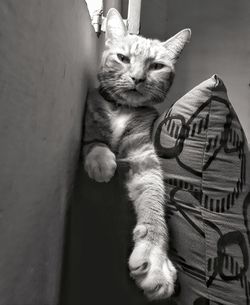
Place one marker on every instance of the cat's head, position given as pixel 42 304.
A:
pixel 134 70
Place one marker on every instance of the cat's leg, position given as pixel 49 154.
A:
pixel 149 263
pixel 99 162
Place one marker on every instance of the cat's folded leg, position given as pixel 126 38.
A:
pixel 100 162
pixel 149 263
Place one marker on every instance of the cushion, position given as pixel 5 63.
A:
pixel 205 158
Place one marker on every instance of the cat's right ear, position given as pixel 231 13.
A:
pixel 115 27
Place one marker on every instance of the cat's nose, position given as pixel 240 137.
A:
pixel 138 80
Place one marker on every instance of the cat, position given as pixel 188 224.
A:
pixel 135 74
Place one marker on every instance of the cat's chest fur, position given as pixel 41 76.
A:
pixel 119 120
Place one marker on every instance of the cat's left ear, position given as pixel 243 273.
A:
pixel 115 27
pixel 175 44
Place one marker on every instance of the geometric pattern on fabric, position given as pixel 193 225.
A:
pixel 205 158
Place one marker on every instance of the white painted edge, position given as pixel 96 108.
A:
pixel 134 14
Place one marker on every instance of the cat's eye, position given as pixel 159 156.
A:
pixel 156 66
pixel 123 58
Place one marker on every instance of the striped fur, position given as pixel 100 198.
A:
pixel 135 74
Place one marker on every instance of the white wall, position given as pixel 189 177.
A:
pixel 220 44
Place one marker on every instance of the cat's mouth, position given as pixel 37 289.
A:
pixel 135 91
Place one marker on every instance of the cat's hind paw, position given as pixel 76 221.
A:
pixel 152 270
pixel 100 164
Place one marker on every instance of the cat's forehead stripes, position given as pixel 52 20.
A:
pixel 145 49
pixel 139 49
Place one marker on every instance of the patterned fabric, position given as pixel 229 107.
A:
pixel 205 158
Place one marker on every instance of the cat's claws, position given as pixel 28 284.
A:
pixel 139 270
pixel 100 164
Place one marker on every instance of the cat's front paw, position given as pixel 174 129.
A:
pixel 100 164
pixel 151 269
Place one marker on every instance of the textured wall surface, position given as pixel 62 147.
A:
pixel 47 55
pixel 220 44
